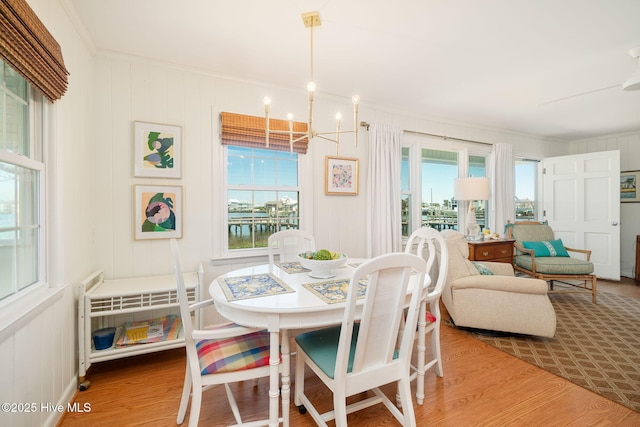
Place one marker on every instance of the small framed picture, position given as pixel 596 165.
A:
pixel 341 176
pixel 629 186
pixel 157 150
pixel 158 212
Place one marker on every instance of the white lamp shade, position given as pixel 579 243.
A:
pixel 471 189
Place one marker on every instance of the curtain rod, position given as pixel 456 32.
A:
pixel 366 125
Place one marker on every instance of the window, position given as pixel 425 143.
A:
pixel 21 184
pixel 263 195
pixel 525 186
pixel 428 173
pixel 427 189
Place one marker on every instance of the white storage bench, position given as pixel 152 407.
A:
pixel 112 303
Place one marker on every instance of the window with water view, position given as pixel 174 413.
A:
pixel 431 185
pixel 525 185
pixel 262 195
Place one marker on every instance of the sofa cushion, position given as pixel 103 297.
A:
pixel 482 269
pixel 555 265
pixel 547 248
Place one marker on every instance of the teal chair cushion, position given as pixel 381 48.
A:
pixel 322 346
pixel 555 265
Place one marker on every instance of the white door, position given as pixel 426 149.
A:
pixel 581 202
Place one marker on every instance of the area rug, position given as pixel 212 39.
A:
pixel 596 346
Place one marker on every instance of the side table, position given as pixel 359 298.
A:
pixel 500 250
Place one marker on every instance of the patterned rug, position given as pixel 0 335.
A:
pixel 596 346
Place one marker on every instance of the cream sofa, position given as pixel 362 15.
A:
pixel 498 302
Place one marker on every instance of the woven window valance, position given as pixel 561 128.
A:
pixel 31 50
pixel 249 131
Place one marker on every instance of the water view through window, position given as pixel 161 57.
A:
pixel 262 196
pixel 437 173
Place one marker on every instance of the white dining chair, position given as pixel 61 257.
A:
pixel 429 244
pixel 221 354
pixel 359 356
pixel 287 244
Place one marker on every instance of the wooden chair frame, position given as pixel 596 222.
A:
pixel 549 277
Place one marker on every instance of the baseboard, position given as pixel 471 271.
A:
pixel 65 401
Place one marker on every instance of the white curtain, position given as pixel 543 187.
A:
pixel 502 187
pixel 384 227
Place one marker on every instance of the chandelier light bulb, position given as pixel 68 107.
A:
pixel 289 116
pixel 266 100
pixel 338 116
pixel 355 99
pixel 311 87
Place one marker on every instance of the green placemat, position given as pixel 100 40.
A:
pixel 252 286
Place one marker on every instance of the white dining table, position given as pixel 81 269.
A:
pixel 300 308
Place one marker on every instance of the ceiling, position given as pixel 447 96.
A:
pixel 510 64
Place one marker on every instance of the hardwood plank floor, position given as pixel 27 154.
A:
pixel 482 386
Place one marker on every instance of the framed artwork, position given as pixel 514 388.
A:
pixel 341 176
pixel 157 151
pixel 629 186
pixel 158 212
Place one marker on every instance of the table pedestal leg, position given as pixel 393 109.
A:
pixel 286 369
pixel 274 378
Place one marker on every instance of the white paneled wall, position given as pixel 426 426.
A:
pixel 629 146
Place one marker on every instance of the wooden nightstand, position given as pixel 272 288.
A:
pixel 492 250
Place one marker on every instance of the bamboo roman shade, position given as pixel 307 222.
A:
pixel 249 131
pixel 31 50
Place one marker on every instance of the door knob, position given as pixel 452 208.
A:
pixel 614 223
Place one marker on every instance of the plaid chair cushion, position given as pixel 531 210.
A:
pixel 234 353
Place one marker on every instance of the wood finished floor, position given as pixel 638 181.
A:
pixel 482 386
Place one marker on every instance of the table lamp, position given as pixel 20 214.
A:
pixel 471 189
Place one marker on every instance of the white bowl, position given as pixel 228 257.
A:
pixel 322 269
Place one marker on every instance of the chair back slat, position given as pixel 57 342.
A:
pixel 382 312
pixel 185 308
pixel 287 244
pixel 429 244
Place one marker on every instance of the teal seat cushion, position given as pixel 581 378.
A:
pixel 322 346
pixel 547 248
pixel 555 265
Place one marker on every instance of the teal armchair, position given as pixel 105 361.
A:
pixel 539 254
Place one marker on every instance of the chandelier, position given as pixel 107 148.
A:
pixel 311 20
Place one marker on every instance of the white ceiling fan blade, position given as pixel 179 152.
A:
pixel 579 94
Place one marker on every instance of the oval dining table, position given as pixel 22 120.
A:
pixel 281 298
